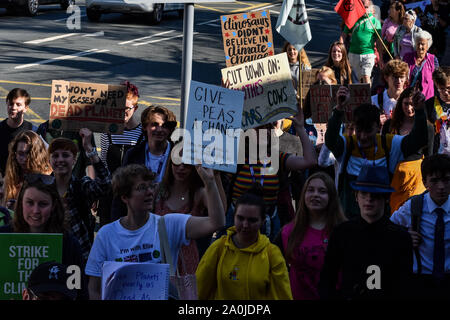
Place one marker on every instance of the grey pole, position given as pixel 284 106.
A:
pixel 186 66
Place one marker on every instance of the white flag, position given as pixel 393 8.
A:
pixel 293 24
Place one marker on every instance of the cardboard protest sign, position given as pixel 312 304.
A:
pixel 269 93
pixel 135 281
pixel 308 78
pixel 321 128
pixel 213 119
pixel 323 100
pixel 20 253
pixel 247 37
pixel 76 105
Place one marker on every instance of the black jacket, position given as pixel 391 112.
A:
pixel 354 246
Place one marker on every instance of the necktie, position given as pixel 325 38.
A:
pixel 439 246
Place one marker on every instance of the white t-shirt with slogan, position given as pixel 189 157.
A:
pixel 115 243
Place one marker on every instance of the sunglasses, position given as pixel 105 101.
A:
pixel 35 177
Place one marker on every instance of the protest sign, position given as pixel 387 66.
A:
pixel 308 78
pixel 214 114
pixel 135 281
pixel 98 107
pixel 247 37
pixel 269 93
pixel 20 253
pixel 323 100
pixel 321 128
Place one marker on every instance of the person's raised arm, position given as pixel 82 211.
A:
pixel 309 158
pixel 333 140
pixel 198 227
pixel 418 137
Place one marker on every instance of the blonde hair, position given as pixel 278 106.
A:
pixel 329 73
pixel 37 162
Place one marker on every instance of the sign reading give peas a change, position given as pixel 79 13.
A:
pixel 267 84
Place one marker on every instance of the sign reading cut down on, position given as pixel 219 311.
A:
pixel 20 253
pixel 267 84
pixel 247 37
pixel 76 105
pixel 323 100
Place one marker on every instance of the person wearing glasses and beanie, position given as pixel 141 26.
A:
pixel 78 195
pixel 369 256
pixel 135 237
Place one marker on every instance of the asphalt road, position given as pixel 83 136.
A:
pixel 37 50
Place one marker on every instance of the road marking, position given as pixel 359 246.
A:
pixel 27 83
pixel 50 38
pixel 33 98
pixel 83 15
pixel 206 22
pixel 202 7
pixel 164 98
pixel 159 40
pixel 213 25
pixel 66 57
pixel 254 7
pixel 148 37
pixel 95 34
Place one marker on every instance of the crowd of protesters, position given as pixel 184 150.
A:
pixel 371 201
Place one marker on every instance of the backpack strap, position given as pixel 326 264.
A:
pixel 416 214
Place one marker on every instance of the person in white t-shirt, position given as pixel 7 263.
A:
pixel 395 74
pixel 135 237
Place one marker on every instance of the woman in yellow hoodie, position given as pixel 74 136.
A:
pixel 244 264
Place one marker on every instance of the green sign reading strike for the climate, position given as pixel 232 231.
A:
pixel 20 253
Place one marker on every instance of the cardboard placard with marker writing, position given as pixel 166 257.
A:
pixel 247 37
pixel 267 84
pixel 323 100
pixel 98 107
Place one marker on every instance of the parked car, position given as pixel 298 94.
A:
pixel 30 7
pixel 154 11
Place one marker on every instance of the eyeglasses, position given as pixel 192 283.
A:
pixel 447 89
pixel 144 187
pixel 44 178
pixel 130 108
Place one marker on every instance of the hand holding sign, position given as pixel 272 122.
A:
pixel 86 136
pixel 206 174
pixel 343 97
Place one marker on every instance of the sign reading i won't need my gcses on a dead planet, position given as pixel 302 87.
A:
pixel 98 107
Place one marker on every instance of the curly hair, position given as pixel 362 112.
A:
pixel 396 68
pixel 37 162
pixel 344 64
pixel 58 221
pixel 334 213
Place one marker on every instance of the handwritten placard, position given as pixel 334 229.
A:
pixel 135 281
pixel 269 93
pixel 323 99
pixel 308 78
pixel 76 105
pixel 214 115
pixel 247 37
pixel 20 253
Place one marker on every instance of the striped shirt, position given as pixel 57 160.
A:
pixel 128 137
pixel 271 182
